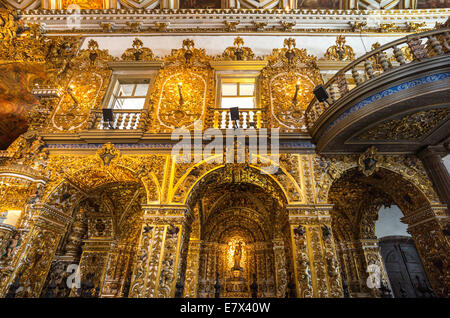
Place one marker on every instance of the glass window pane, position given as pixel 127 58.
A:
pixel 125 90
pixel 118 103
pixel 229 89
pixel 241 102
pixel 130 103
pixel 246 89
pixel 141 90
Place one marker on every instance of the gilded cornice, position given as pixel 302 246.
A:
pixel 120 21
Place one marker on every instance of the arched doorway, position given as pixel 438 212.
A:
pixel 241 224
pixel 357 199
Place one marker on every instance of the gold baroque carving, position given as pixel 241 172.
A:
pixel 184 88
pixel 288 80
pixel 138 52
pixel 409 127
pixel 340 51
pixel 238 52
pixel 84 91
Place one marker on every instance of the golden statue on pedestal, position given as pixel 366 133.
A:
pixel 237 256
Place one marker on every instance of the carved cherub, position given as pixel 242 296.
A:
pixel 13 244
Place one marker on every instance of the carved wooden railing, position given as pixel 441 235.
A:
pixel 248 118
pixel 122 120
pixel 412 48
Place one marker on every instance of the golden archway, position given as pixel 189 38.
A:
pixel 357 199
pixel 237 208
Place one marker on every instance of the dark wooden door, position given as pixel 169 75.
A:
pixel 404 267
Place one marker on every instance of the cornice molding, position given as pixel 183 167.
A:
pixel 214 20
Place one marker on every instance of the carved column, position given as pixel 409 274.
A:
pixel 192 269
pixel 316 268
pixel 56 285
pixel 438 173
pixel 30 266
pixel 429 228
pixel 162 244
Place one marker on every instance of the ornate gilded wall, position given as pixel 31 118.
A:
pixel 139 222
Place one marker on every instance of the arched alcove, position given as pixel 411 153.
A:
pixel 238 213
pixel 357 201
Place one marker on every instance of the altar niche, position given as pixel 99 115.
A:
pixel 239 224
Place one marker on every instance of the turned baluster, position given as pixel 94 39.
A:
pixel 96 121
pixel 417 48
pixel 126 120
pixel 119 121
pixel 399 55
pixel 230 122
pixel 133 117
pixel 224 120
pixel 251 117
pixel 258 119
pixel 369 68
pixel 333 92
pixel 244 120
pixel 383 61
pixel 216 119
pixel 356 76
pixel 436 45
pixel 342 85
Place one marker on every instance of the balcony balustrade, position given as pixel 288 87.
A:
pixel 386 58
pixel 248 118
pixel 122 120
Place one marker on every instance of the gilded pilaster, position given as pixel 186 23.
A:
pixel 281 279
pixel 316 267
pixel 161 246
pixel 192 269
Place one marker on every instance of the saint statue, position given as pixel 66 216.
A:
pixel 237 256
